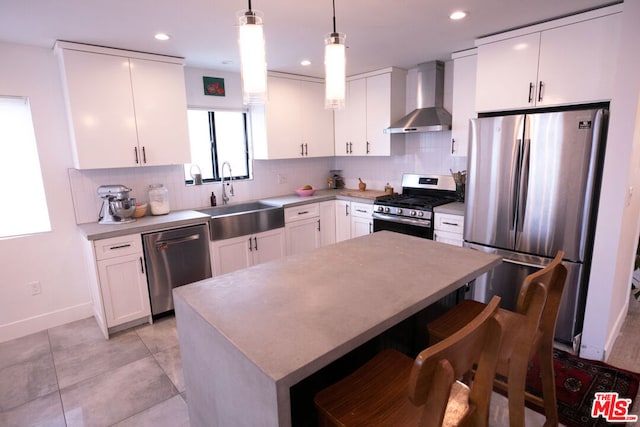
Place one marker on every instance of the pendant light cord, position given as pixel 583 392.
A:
pixel 334 16
pixel 249 5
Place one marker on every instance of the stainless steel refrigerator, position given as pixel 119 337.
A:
pixel 532 189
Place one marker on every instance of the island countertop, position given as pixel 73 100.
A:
pixel 281 321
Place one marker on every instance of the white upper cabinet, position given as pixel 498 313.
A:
pixel 577 62
pixel 463 105
pixel 374 100
pixel 294 122
pixel 124 108
pixel 507 73
pixel 351 122
pixel 567 61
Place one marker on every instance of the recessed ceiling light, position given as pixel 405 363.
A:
pixel 305 62
pixel 162 36
pixel 458 14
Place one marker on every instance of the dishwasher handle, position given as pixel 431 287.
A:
pixel 164 244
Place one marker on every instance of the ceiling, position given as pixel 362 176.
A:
pixel 400 33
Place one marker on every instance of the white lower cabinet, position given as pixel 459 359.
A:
pixel 302 228
pixel 353 219
pixel 448 229
pixel 327 223
pixel 343 220
pixel 310 226
pixel 124 295
pixel 241 252
pixel 361 219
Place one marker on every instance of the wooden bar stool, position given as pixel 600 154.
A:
pixel 395 390
pixel 528 331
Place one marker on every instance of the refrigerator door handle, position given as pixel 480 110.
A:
pixel 517 173
pixel 523 184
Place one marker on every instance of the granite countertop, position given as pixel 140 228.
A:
pixel 455 208
pixel 311 308
pixel 367 196
pixel 95 231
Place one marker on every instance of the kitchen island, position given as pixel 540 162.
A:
pixel 247 337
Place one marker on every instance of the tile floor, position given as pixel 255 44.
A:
pixel 71 376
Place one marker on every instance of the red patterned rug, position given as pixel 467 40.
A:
pixel 577 381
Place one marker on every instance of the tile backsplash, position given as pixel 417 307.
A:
pixel 418 153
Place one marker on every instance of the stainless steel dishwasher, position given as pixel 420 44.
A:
pixel 175 257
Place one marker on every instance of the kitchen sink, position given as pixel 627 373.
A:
pixel 241 219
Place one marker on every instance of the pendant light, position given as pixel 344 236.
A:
pixel 334 67
pixel 253 63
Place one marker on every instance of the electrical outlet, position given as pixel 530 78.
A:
pixel 36 288
pixel 282 178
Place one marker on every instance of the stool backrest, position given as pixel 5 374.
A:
pixel 437 367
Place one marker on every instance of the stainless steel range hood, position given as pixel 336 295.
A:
pixel 430 116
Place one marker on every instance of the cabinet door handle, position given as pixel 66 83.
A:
pixel 135 152
pixel 531 87
pixel 453 144
pixel 255 243
pixel 370 227
pixel 346 210
pixel 451 223
pixel 346 147
pixel 306 149
pixel 303 213
pixel 318 225
pixel 368 151
pixel 350 147
pixel 126 245
pixel 141 266
pixel 540 87
pixel 302 149
pixel 250 247
pixel 144 155
pixel 361 210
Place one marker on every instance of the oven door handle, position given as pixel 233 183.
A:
pixel 402 220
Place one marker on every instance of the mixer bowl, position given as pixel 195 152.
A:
pixel 122 208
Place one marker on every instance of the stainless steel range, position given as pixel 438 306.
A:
pixel 412 211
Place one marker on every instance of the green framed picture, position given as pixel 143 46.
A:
pixel 213 86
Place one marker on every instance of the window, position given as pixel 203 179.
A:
pixel 217 137
pixel 27 213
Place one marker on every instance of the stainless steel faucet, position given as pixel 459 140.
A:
pixel 225 197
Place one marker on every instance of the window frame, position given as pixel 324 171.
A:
pixel 213 141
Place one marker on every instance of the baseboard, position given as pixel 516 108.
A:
pixel 41 322
pixel 601 354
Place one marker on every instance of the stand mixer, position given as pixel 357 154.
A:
pixel 117 206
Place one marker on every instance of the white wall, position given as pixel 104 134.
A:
pixel 55 259
pixel 618 218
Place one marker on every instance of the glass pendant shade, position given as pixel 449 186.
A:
pixel 253 63
pixel 335 70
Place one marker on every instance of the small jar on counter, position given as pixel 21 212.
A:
pixel 159 199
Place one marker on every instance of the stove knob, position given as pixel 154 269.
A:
pixel 399 211
pixel 387 210
pixel 420 214
pixel 413 213
pixel 380 209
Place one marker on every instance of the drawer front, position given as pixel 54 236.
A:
pixel 448 238
pixel 297 213
pixel 118 246
pixel 362 210
pixel 452 223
